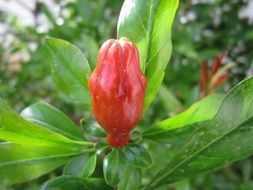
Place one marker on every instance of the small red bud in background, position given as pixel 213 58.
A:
pixel 212 77
pixel 117 87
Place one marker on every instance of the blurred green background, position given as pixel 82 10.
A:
pixel 202 30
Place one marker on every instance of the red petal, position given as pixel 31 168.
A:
pixel 204 78
pixel 217 63
pixel 219 81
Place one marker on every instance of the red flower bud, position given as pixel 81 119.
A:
pixel 117 87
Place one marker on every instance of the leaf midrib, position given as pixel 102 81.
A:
pixel 149 32
pixel 49 141
pixel 64 133
pixel 150 59
pixel 25 161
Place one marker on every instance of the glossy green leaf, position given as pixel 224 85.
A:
pixel 82 166
pixel 102 148
pixel 112 166
pixel 49 117
pixel 75 183
pixel 137 156
pixel 14 128
pixel 148 24
pixel 131 179
pixel 224 139
pixel 91 127
pixel 175 137
pixel 19 163
pixel 70 69
pixel 136 136
pixel 200 111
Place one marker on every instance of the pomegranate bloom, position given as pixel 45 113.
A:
pixel 117 87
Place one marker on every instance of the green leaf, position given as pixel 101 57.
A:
pixel 84 9
pixel 102 148
pixel 137 156
pixel 19 163
pixel 131 179
pixel 113 164
pixel 175 137
pixel 136 136
pixel 91 127
pixel 200 111
pixel 49 117
pixel 91 49
pixel 169 101
pixel 82 166
pixel 148 24
pixel 14 128
pixel 224 139
pixel 70 69
pixel 75 183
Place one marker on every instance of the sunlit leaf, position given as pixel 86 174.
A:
pixel 49 117
pixel 19 163
pixel 200 111
pixel 16 129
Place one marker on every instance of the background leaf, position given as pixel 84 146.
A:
pixel 19 163
pixel 168 99
pixel 70 69
pixel 49 117
pixel 82 166
pixel 223 140
pixel 73 182
pixel 148 24
pixel 90 47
